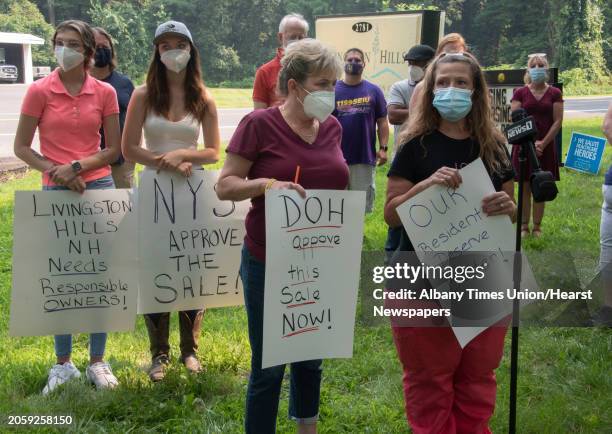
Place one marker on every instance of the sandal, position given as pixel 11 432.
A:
pixel 537 230
pixel 524 230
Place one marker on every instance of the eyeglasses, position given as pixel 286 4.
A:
pixel 458 55
pixel 529 56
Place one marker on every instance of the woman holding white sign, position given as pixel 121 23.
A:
pixel 271 149
pixel 69 107
pixel 172 108
pixel 447 388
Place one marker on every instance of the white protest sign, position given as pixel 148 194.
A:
pixel 313 259
pixel 189 243
pixel 74 257
pixel 441 219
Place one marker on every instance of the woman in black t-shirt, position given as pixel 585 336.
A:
pixel 449 389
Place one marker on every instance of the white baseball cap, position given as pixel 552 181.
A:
pixel 172 28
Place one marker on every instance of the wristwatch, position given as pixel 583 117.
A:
pixel 384 148
pixel 76 166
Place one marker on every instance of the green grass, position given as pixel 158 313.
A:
pixel 232 98
pixel 564 384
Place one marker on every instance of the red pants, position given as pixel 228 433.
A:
pixel 448 390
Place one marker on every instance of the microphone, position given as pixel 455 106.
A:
pixel 522 132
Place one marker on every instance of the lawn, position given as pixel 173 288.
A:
pixel 564 385
pixel 232 98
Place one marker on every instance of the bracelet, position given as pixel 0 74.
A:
pixel 269 184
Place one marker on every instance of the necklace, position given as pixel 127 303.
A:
pixel 308 135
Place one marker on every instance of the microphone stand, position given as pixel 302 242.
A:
pixel 526 150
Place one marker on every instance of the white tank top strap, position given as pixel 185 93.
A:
pixel 162 135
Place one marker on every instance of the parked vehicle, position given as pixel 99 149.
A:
pixel 8 73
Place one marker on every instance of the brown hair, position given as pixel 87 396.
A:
pixel 356 50
pixel 479 121
pixel 158 93
pixel 85 32
pixel 451 38
pixel 101 31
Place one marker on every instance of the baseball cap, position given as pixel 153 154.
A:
pixel 420 52
pixel 172 28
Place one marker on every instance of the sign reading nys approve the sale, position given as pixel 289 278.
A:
pixel 74 258
pixel 313 258
pixel 441 219
pixel 189 243
pixel 585 153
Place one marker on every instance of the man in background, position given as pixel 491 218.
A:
pixel 292 27
pixel 418 57
pixel 362 111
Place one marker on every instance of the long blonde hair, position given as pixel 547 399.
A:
pixel 426 119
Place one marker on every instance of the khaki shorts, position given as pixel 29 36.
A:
pixel 361 178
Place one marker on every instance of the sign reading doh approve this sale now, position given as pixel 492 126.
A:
pixel 313 257
pixel 73 262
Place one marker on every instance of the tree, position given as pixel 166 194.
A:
pixel 132 25
pixel 22 16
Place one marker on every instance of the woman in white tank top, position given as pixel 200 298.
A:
pixel 171 109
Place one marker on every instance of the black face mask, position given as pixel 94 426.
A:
pixel 103 57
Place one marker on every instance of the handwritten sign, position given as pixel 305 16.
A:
pixel 313 257
pixel 585 153
pixel 73 262
pixel 189 243
pixel 441 219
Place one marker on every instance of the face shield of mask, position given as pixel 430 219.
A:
pixel 175 60
pixel 319 104
pixel 67 58
pixel 416 73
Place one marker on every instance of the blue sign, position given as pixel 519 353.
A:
pixel 585 153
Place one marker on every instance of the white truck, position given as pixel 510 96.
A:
pixel 8 73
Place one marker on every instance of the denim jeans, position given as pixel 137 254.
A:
pixel 264 387
pixel 97 341
pixel 394 236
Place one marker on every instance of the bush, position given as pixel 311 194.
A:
pixel 576 82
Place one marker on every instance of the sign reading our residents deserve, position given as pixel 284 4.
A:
pixel 189 243
pixel 74 258
pixel 442 219
pixel 585 153
pixel 313 259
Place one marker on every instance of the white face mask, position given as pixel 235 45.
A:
pixel 176 60
pixel 67 58
pixel 319 104
pixel 416 73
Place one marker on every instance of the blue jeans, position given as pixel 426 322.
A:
pixel 393 242
pixel 97 341
pixel 264 387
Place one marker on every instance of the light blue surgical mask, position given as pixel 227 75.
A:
pixel 538 75
pixel 453 103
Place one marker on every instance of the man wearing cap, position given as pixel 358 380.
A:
pixel 292 27
pixel 418 57
pixel 399 95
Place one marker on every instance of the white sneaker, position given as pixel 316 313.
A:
pixel 101 375
pixel 59 374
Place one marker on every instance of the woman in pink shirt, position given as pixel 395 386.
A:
pixel 69 107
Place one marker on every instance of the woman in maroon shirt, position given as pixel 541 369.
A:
pixel 545 104
pixel 263 154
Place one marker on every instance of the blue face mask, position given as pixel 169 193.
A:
pixel 538 75
pixel 452 103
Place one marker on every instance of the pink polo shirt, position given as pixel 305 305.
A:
pixel 69 126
